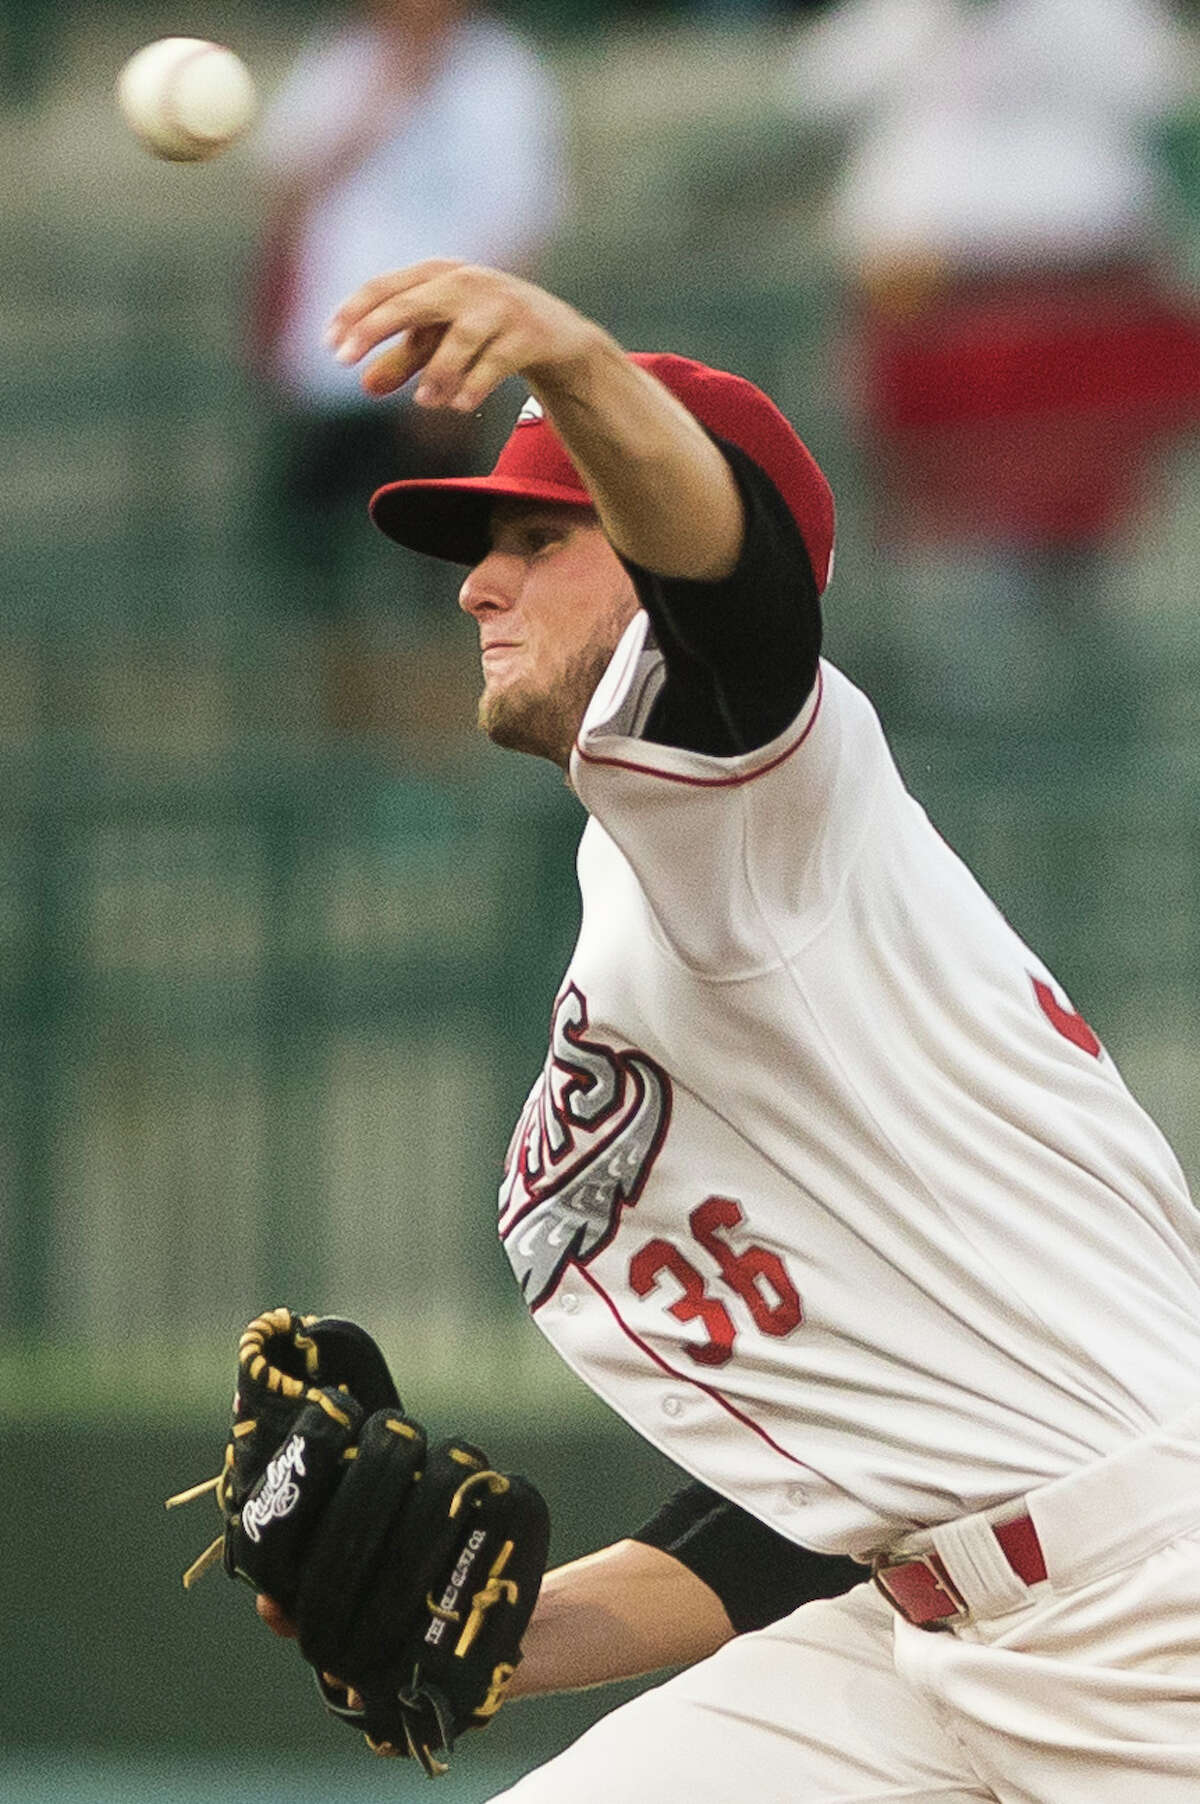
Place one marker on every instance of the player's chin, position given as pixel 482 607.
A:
pixel 521 720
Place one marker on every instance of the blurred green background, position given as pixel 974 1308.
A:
pixel 271 995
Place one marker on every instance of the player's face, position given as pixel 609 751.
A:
pixel 551 600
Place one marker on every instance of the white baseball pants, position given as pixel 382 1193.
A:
pixel 1082 1690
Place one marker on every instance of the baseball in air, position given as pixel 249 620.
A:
pixel 186 99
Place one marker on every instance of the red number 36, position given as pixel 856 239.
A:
pixel 757 1276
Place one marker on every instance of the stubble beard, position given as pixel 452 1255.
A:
pixel 544 721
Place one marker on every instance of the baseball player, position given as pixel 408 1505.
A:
pixel 825 1185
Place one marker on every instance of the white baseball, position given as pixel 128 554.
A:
pixel 186 99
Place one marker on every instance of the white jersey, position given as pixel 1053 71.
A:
pixel 825 1185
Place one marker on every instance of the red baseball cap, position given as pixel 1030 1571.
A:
pixel 448 517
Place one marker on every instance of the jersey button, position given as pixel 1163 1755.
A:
pixel 568 1302
pixel 672 1405
pixel 795 1497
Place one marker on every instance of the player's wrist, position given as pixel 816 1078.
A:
pixel 585 373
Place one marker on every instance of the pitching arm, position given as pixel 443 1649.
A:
pixel 699 1572
pixel 618 1614
pixel 666 496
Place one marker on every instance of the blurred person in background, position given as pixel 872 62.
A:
pixel 1018 347
pixel 412 128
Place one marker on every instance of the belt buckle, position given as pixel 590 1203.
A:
pixel 936 1583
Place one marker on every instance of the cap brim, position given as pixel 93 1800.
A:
pixel 449 517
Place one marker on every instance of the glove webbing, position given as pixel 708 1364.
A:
pixel 252 1360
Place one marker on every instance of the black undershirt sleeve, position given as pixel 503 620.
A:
pixel 741 655
pixel 758 1574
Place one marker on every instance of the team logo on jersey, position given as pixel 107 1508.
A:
pixel 581 1152
pixel 532 410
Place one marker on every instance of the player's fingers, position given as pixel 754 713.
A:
pixel 504 353
pixel 453 294
pixel 378 290
pixel 405 313
pixel 492 367
pixel 463 345
pixel 400 362
pixel 417 310
pixel 275 1617
pixel 434 301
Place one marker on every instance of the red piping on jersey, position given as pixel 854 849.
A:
pixel 684 1377
pixel 732 782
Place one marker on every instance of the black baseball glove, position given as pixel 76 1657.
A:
pixel 409 1572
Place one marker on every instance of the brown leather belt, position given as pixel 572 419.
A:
pixel 919 1588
